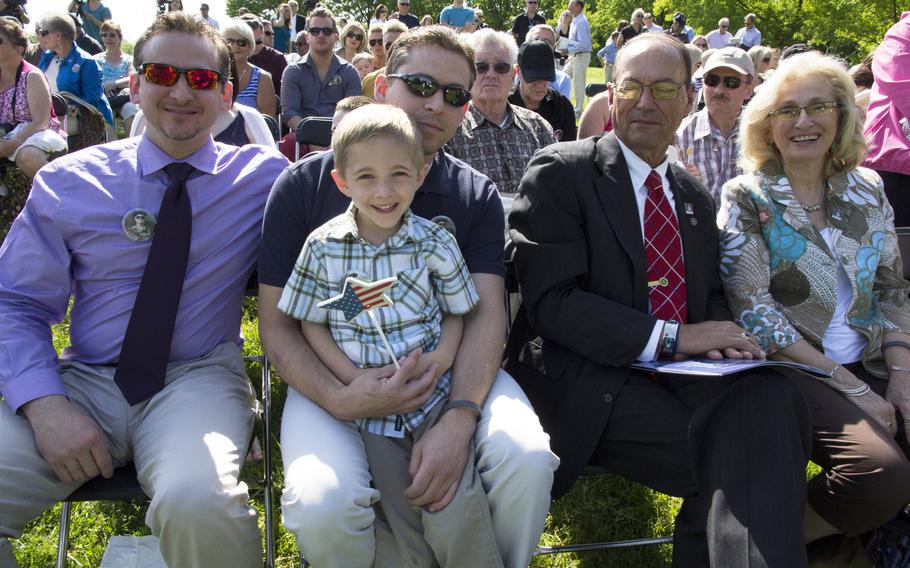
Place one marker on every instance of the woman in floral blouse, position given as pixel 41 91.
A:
pixel 811 267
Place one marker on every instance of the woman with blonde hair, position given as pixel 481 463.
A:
pixel 811 268
pixel 253 85
pixel 353 41
pixel 761 58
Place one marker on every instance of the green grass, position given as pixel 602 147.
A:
pixel 597 509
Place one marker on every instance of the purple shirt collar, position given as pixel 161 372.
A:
pixel 151 158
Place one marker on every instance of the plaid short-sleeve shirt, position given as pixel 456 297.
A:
pixel 432 280
pixel 702 144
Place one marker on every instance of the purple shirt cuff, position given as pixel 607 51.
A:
pixel 32 385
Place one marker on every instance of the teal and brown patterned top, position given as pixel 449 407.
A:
pixel 779 276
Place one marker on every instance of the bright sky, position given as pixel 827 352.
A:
pixel 132 15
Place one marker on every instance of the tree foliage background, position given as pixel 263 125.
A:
pixel 848 28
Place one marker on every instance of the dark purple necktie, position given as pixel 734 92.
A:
pixel 146 347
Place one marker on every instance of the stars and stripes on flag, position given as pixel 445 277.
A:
pixel 357 296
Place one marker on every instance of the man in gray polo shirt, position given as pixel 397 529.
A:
pixel 313 85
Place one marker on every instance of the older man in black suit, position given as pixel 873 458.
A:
pixel 616 256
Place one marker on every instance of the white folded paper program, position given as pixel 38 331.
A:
pixel 566 43
pixel 721 367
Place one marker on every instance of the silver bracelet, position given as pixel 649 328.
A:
pixel 831 373
pixel 857 391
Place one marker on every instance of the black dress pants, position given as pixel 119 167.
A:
pixel 735 448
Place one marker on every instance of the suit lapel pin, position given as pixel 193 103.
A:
pixel 693 221
pixel 689 209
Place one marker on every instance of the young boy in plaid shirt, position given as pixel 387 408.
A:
pixel 379 164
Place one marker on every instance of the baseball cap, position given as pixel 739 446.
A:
pixel 679 18
pixel 535 60
pixel 731 58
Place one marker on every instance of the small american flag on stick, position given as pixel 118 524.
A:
pixel 358 296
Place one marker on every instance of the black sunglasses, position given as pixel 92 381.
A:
pixel 167 75
pixel 729 82
pixel 352 35
pixel 238 42
pixel 323 31
pixel 375 42
pixel 42 33
pixel 270 34
pixel 500 67
pixel 426 86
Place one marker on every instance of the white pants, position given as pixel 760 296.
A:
pixel 187 442
pixel 579 63
pixel 327 499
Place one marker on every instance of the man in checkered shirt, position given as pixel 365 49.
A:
pixel 708 140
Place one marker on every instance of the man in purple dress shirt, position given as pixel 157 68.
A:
pixel 65 421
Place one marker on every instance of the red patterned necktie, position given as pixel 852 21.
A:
pixel 663 252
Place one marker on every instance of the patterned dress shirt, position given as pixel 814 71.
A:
pixel 432 280
pixel 502 151
pixel 702 144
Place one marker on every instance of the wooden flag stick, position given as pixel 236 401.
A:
pixel 385 341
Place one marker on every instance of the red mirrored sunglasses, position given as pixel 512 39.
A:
pixel 167 75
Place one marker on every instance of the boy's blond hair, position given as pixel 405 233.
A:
pixel 371 122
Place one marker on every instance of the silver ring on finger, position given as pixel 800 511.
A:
pixel 746 335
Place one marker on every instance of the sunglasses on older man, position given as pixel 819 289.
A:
pixel 42 33
pixel 167 76
pixel 729 82
pixel 425 86
pixel 500 67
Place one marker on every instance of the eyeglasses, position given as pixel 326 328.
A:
pixel 42 33
pixel 729 82
pixel 532 2
pixel 660 90
pixel 500 67
pixel 426 86
pixel 725 25
pixel 375 42
pixel 352 35
pixel 109 34
pixel 700 45
pixel 167 75
pixel 258 42
pixel 270 34
pixel 404 3
pixel 323 31
pixel 793 112
pixel 238 42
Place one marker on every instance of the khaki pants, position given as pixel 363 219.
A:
pixel 459 535
pixel 579 63
pixel 187 442
pixel 328 498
